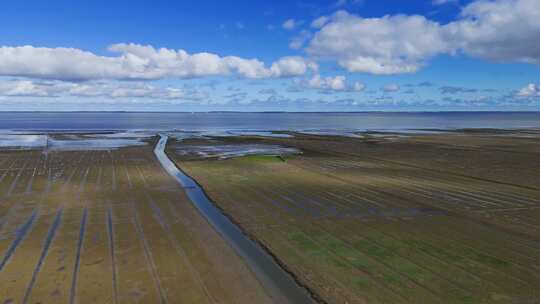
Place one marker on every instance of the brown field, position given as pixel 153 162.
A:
pixel 441 218
pixel 109 227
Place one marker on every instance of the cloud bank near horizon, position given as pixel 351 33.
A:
pixel 139 62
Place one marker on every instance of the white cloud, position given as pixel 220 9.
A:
pixel 134 62
pixel 531 90
pixel 336 83
pixel 320 22
pixel 292 66
pixel 28 88
pixel 497 30
pixel 388 45
pixel 501 30
pixel 300 39
pixel 391 88
pixel 32 88
pixel 289 24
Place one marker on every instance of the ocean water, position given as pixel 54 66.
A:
pixel 249 122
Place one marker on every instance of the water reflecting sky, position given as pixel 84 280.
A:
pixel 266 121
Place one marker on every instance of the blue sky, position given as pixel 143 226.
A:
pixel 335 55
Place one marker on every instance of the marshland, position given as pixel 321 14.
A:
pixel 425 216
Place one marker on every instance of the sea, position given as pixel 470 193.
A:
pixel 274 121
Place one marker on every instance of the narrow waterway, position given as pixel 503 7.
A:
pixel 277 282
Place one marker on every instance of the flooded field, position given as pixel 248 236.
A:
pixel 106 224
pixel 423 217
pixel 230 151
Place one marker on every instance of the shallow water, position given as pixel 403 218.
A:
pixel 346 133
pixel 230 151
pixel 93 144
pixel 265 121
pixel 259 133
pixel 22 141
pixel 278 283
pixel 70 142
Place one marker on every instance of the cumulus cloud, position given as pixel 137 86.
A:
pixel 388 45
pixel 292 66
pixel 336 83
pixel 29 88
pixel 497 30
pixel 531 90
pixel 136 62
pixel 501 30
pixel 320 22
pixel 32 88
pixel 299 40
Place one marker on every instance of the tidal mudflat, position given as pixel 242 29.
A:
pixel 426 217
pixel 96 219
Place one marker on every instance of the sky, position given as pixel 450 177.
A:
pixel 294 55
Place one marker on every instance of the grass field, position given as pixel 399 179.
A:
pixel 434 218
pixel 109 226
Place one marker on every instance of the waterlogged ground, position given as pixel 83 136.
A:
pixel 234 150
pixel 94 220
pixel 421 217
pixel 72 141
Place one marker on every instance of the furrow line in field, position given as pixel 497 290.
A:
pixel 515 240
pixel 82 183
pixel 73 289
pixel 110 232
pixel 21 233
pixel 31 181
pixel 125 166
pixel 148 255
pixel 377 192
pixel 113 171
pixel 67 182
pixel 45 250
pixel 145 183
pixel 3 176
pixel 99 173
pixel 179 249
pixel 49 181
pixel 452 173
pixel 437 179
